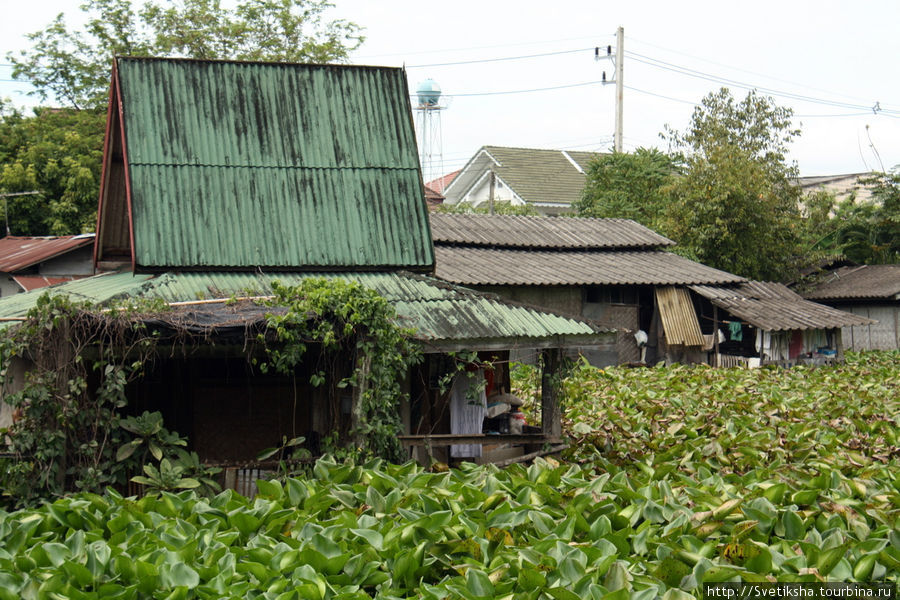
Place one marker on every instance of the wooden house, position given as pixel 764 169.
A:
pixel 621 274
pixel 221 177
pixel 871 291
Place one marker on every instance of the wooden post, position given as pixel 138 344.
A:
pixel 356 416
pixel 716 335
pixel 551 419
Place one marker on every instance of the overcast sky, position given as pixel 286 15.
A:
pixel 831 61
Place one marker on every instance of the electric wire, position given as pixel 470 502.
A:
pixel 660 64
pixel 500 59
pixel 489 47
pixel 733 68
pixel 528 91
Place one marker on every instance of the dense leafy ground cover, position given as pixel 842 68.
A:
pixel 677 476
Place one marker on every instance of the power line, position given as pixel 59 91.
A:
pixel 634 89
pixel 660 64
pixel 528 91
pixel 756 73
pixel 505 58
pixel 490 47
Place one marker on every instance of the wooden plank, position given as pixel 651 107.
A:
pixel 447 439
pixel 551 419
pixel 526 457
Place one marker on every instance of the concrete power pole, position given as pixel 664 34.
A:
pixel 620 58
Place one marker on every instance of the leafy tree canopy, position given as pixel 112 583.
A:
pixel 73 66
pixel 58 152
pixel 629 186
pixel 869 232
pixel 724 191
pixel 737 207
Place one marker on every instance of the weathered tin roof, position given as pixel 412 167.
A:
pixel 487 266
pixel 443 315
pixel 287 166
pixel 20 252
pixel 867 281
pixel 774 307
pixel 562 233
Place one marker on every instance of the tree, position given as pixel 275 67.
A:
pixel 869 232
pixel 628 186
pixel 59 151
pixel 737 207
pixel 73 66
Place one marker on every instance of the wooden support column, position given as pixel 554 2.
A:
pixel 364 365
pixel 551 416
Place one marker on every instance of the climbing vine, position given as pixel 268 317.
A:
pixel 66 367
pixel 347 319
pixel 64 371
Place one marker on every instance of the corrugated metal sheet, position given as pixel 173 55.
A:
pixel 484 266
pixel 679 319
pixel 259 164
pixel 96 289
pixel 440 312
pixel 33 282
pixel 20 252
pixel 774 307
pixel 868 281
pixel 563 233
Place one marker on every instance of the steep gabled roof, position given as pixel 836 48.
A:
pixel 21 252
pixel 774 307
pixel 217 164
pixel 858 282
pixel 559 233
pixel 537 176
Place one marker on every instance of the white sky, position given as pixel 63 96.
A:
pixel 841 55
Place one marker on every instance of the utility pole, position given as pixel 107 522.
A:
pixel 620 58
pixel 491 194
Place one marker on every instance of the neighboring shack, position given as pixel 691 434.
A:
pixel 606 270
pixel 618 272
pixel 871 291
pixel 28 262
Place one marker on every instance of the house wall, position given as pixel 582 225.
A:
pixel 77 262
pixel 230 411
pixel 8 287
pixel 480 194
pixel 883 335
pixel 574 300
pixel 15 382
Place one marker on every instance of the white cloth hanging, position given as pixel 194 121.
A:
pixel 467 408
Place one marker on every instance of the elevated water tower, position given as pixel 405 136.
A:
pixel 428 108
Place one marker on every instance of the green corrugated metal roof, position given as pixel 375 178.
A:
pixel 440 312
pixel 246 165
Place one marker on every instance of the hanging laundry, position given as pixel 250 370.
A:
pixel 736 333
pixel 467 409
